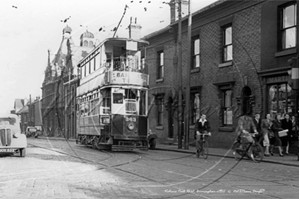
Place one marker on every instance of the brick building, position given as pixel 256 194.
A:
pixel 239 61
pixel 58 110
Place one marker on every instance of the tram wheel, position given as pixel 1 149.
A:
pixel 102 146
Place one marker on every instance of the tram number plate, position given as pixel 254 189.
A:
pixel 7 150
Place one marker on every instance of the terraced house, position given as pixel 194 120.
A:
pixel 239 60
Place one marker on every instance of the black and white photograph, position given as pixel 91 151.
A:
pixel 149 99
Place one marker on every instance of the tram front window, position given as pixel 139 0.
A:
pixel 130 101
pixel 130 106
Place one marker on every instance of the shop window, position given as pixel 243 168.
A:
pixel 288 26
pixel 281 99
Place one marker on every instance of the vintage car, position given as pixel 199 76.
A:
pixel 11 139
pixel 33 131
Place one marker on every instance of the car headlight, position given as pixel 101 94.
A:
pixel 130 126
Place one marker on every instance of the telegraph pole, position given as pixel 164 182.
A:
pixel 179 77
pixel 188 85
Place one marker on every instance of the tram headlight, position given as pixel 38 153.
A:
pixel 130 126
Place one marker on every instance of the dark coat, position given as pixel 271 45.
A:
pixel 287 124
pixel 201 128
pixel 276 126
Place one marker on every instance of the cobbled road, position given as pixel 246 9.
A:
pixel 63 170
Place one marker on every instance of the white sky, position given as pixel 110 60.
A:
pixel 35 26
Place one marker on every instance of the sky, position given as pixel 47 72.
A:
pixel 29 28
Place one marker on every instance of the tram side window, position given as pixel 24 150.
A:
pixel 108 60
pixel 105 103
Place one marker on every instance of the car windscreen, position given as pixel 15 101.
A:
pixel 7 121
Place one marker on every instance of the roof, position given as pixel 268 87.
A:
pixel 9 115
pixel 87 34
pixel 23 110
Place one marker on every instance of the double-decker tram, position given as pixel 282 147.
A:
pixel 112 96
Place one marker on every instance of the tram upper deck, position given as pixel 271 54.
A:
pixel 116 61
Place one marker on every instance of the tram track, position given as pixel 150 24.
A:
pixel 277 182
pixel 115 167
pixel 160 184
pixel 193 166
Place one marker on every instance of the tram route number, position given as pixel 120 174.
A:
pixel 130 119
pixel 7 150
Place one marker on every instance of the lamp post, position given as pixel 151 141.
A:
pixel 179 78
pixel 188 86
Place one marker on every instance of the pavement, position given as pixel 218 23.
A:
pixel 288 160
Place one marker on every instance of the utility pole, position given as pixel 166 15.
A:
pixel 179 77
pixel 188 85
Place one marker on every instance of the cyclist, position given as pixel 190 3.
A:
pixel 244 127
pixel 201 127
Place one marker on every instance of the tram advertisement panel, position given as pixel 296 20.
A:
pixel 135 78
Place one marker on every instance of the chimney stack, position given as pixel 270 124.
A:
pixel 134 30
pixel 174 9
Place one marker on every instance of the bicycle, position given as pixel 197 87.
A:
pixel 203 151
pixel 252 150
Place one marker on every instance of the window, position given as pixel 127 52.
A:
pixel 227 112
pixel 288 15
pixel 142 63
pixel 281 99
pixel 85 43
pixel 84 71
pixel 160 68
pixel 195 52
pixel 227 43
pixel 143 102
pixel 195 107
pixel 160 109
pixel 117 98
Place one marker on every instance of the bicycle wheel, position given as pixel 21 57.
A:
pixel 238 152
pixel 204 152
pixel 258 152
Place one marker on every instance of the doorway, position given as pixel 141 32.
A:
pixel 170 118
pixel 246 105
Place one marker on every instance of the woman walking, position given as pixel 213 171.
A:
pixel 265 129
pixel 286 140
pixel 276 126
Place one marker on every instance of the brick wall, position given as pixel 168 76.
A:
pixel 246 26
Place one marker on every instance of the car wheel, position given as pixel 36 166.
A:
pixel 23 152
pixel 152 143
